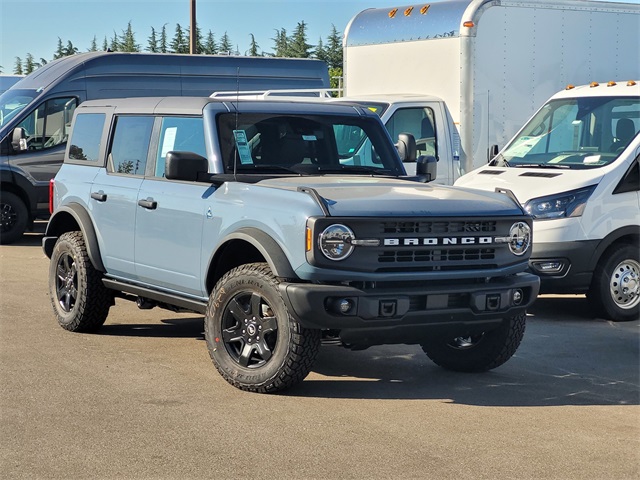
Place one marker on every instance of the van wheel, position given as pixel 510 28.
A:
pixel 253 341
pixel 481 352
pixel 13 217
pixel 80 301
pixel 615 288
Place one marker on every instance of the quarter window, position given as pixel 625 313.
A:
pixel 85 141
pixel 130 145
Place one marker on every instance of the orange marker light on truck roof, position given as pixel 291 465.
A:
pixel 393 12
pixel 630 83
pixel 611 83
pixel 424 9
pixel 408 11
pixel 594 84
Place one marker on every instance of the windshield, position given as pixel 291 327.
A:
pixel 575 133
pixel 13 101
pixel 305 144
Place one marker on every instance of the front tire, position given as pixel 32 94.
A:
pixel 80 300
pixel 615 289
pixel 481 352
pixel 14 217
pixel 253 341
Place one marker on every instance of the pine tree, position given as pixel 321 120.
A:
pixel 70 49
pixel 29 64
pixel 94 45
pixel 298 46
pixel 128 41
pixel 334 49
pixel 152 42
pixel 321 53
pixel 254 47
pixel 209 46
pixel 115 43
pixel 226 47
pixel 59 53
pixel 105 44
pixel 180 44
pixel 17 67
pixel 163 39
pixel 281 43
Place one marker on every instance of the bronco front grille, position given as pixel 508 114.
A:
pixel 437 227
pixel 437 255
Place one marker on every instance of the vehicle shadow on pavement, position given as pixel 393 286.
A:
pixel 187 327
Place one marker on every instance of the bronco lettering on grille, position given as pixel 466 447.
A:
pixel 394 242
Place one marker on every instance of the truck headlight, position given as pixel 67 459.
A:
pixel 561 205
pixel 335 242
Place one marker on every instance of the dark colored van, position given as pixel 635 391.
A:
pixel 36 114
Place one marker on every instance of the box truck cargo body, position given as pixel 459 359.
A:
pixel 490 63
pixel 35 114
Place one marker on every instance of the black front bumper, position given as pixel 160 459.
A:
pixel 406 314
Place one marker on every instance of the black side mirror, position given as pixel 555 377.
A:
pixel 427 167
pixel 492 151
pixel 19 140
pixel 184 166
pixel 406 147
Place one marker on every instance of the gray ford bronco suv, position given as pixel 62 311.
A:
pixel 264 217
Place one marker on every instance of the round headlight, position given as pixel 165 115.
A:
pixel 519 238
pixel 335 242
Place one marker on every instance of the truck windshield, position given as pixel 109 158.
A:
pixel 586 132
pixel 13 101
pixel 305 144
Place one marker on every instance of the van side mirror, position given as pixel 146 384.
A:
pixel 185 166
pixel 492 151
pixel 19 140
pixel 406 147
pixel 427 167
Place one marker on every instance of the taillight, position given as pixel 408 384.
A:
pixel 51 185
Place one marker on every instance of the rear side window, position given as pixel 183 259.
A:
pixel 87 133
pixel 130 145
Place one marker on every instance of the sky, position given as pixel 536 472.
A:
pixel 33 26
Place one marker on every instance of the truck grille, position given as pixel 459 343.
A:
pixel 436 227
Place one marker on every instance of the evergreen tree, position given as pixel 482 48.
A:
pixel 254 48
pixel 209 46
pixel 42 62
pixel 180 44
pixel 105 45
pixel 17 67
pixel 128 41
pixel 163 40
pixel 321 53
pixel 70 49
pixel 59 53
pixel 226 47
pixel 281 44
pixel 298 46
pixel 334 49
pixel 29 64
pixel 94 45
pixel 152 42
pixel 115 43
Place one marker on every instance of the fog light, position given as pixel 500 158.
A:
pixel 518 296
pixel 550 266
pixel 345 305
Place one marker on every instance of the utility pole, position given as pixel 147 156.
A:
pixel 193 37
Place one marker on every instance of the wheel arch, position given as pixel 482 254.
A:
pixel 629 234
pixel 247 245
pixel 69 218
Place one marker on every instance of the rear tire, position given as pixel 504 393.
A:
pixel 80 300
pixel 478 353
pixel 14 217
pixel 253 341
pixel 615 288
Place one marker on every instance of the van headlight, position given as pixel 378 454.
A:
pixel 335 242
pixel 561 205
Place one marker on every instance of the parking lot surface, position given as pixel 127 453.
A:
pixel 141 399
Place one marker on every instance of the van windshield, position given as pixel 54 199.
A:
pixel 576 133
pixel 13 101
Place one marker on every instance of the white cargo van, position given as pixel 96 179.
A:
pixel 464 75
pixel 574 166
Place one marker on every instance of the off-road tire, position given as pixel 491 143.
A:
pixel 80 301
pixel 478 353
pixel 14 217
pixel 253 341
pixel 614 293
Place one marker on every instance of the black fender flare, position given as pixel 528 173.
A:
pixel 266 245
pixel 629 231
pixel 59 224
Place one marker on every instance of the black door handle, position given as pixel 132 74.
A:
pixel 99 196
pixel 149 203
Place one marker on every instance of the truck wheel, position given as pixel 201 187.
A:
pixel 253 341
pixel 615 288
pixel 478 353
pixel 80 301
pixel 13 217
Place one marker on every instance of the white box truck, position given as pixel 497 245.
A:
pixel 575 167
pixel 462 75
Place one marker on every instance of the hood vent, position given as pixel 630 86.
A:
pixel 540 174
